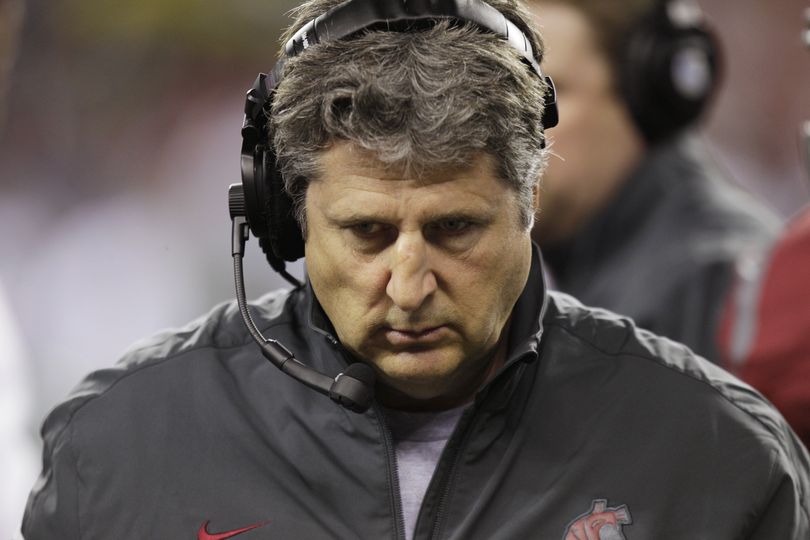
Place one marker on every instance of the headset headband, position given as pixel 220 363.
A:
pixel 355 15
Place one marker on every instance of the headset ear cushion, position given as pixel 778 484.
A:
pixel 284 233
pixel 668 74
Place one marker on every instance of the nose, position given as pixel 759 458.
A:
pixel 412 279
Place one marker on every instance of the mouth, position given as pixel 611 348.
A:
pixel 407 337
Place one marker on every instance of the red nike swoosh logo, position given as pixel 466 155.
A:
pixel 203 534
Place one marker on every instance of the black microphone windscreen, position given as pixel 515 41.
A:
pixel 362 372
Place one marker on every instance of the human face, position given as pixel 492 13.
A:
pixel 418 276
pixel 596 145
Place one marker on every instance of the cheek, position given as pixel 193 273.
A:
pixel 347 286
pixel 511 274
pixel 486 288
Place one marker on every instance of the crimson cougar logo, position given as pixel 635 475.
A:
pixel 600 523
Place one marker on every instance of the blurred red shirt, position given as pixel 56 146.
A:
pixel 765 332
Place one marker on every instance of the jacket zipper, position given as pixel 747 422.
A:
pixel 393 476
pixel 391 456
pixel 453 453
pixel 462 433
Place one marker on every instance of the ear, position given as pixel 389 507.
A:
pixel 535 204
pixel 536 194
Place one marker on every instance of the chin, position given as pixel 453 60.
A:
pixel 418 368
pixel 418 376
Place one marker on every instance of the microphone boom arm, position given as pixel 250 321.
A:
pixel 353 389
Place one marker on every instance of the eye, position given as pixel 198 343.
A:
pixel 456 233
pixel 369 236
pixel 366 228
pixel 453 225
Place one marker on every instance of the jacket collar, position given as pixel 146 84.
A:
pixel 526 326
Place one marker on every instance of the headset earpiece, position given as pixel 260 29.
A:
pixel 268 207
pixel 283 233
pixel 669 70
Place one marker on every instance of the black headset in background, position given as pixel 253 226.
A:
pixel 268 206
pixel 261 205
pixel 669 68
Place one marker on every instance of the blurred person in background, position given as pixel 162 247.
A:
pixel 765 335
pixel 766 94
pixel 635 218
pixel 18 449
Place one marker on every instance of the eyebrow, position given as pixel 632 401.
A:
pixel 467 213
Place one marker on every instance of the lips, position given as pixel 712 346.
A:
pixel 424 337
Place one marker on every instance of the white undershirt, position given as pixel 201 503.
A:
pixel 419 438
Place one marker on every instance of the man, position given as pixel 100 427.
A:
pixel 633 216
pixel 765 333
pixel 410 150
pixel 765 330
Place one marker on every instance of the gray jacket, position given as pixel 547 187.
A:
pixel 664 250
pixel 591 427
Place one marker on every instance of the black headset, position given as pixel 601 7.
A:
pixel 669 69
pixel 268 207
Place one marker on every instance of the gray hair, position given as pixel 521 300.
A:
pixel 415 101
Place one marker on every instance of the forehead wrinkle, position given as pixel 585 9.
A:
pixel 346 156
pixel 420 201
pixel 352 187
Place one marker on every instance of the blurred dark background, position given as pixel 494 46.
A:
pixel 122 134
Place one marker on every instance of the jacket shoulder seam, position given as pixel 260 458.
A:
pixel 661 363
pixel 158 361
pixel 767 433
